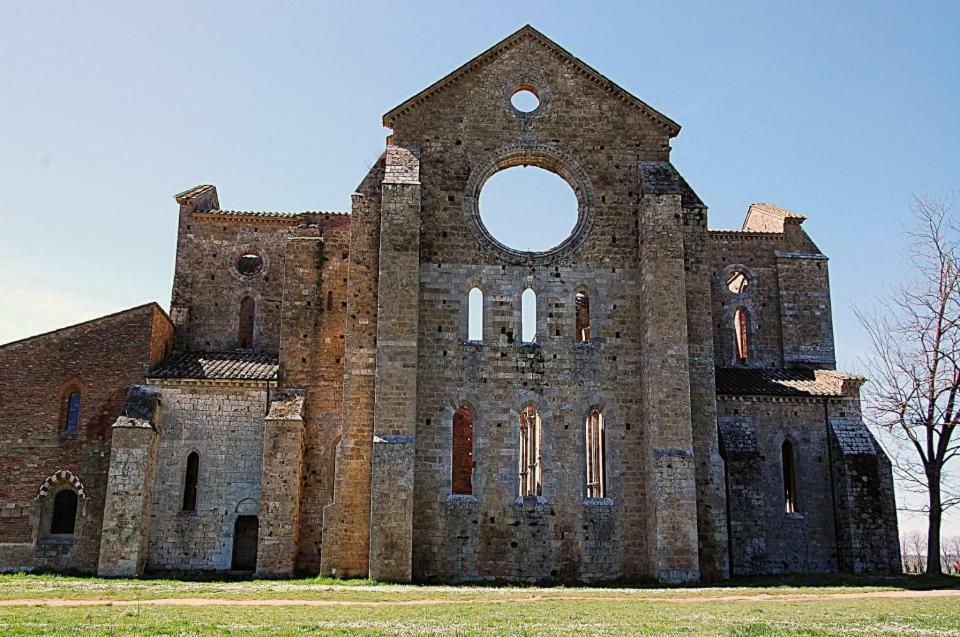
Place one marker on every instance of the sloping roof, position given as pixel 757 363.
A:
pixel 192 193
pixel 528 32
pixel 773 382
pixel 93 323
pixel 218 366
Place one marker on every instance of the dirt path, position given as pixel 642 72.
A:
pixel 760 597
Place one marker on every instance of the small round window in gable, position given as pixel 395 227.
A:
pixel 250 264
pixel 525 99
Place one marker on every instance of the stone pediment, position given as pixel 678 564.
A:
pixel 528 33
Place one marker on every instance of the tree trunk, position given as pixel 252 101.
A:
pixel 933 531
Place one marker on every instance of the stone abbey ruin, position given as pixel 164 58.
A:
pixel 355 395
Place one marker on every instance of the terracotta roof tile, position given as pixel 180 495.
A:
pixel 772 382
pixel 218 366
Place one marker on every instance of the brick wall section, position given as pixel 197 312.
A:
pixel 346 521
pixel 102 358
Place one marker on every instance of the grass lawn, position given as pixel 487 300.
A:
pixel 805 606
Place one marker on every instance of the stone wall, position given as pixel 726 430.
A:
pixel 464 133
pixel 765 538
pixel 223 423
pixel 207 285
pixel 100 359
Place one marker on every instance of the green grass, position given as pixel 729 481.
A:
pixel 367 608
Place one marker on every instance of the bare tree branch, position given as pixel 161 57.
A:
pixel 915 367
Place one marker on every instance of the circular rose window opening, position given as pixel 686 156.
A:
pixel 525 99
pixel 528 208
pixel 250 264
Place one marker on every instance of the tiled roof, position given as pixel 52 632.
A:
pixel 218 366
pixel 271 213
pixel 773 382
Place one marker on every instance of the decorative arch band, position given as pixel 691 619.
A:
pixel 61 475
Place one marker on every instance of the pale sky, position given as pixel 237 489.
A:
pixel 842 111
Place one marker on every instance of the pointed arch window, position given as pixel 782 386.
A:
pixel 741 321
pixel 530 461
pixel 248 310
pixel 475 315
pixel 596 469
pixel 71 422
pixel 462 462
pixel 191 478
pixel 528 316
pixel 789 477
pixel 64 518
pixel 582 303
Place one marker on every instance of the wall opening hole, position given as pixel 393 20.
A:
pixel 737 281
pixel 525 99
pixel 250 264
pixel 528 208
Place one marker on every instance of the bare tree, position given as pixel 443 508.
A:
pixel 916 544
pixel 954 551
pixel 915 366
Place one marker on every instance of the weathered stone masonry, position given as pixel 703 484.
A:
pixel 295 413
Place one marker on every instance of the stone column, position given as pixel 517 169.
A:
pixel 280 486
pixel 395 407
pixel 711 493
pixel 133 459
pixel 665 392
pixel 346 521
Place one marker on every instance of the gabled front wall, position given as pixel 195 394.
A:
pixel 600 140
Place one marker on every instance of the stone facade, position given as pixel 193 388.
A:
pixel 304 422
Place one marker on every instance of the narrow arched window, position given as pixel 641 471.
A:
pixel 64 518
pixel 462 461
pixel 72 421
pixel 740 322
pixel 248 309
pixel 530 464
pixel 329 300
pixel 528 316
pixel 475 315
pixel 582 303
pixel 789 477
pixel 190 478
pixel 596 474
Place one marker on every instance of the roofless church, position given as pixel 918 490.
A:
pixel 355 394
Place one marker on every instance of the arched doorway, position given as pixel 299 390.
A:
pixel 245 536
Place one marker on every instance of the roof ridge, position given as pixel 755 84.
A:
pixel 88 322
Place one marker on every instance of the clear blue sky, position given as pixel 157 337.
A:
pixel 107 109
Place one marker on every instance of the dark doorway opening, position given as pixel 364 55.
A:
pixel 245 532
